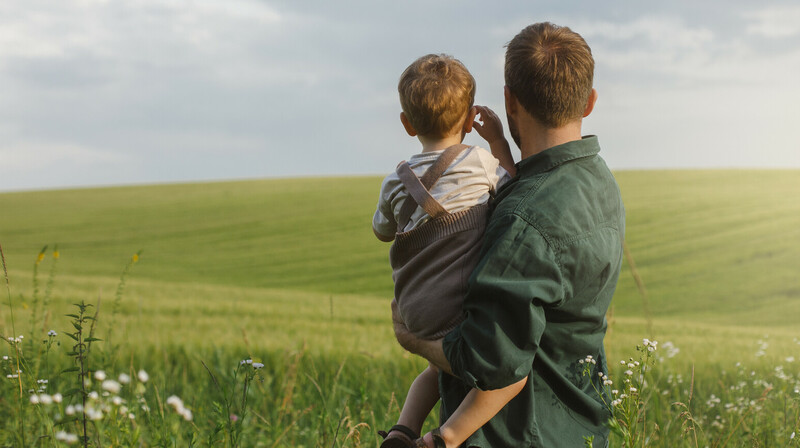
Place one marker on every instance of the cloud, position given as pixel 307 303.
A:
pixel 32 156
pixel 202 89
pixel 774 22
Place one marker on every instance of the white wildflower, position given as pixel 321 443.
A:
pixel 124 378
pixel 100 375
pixel 93 414
pixel 629 372
pixel 52 333
pixel 45 399
pixel 186 414
pixel 615 391
pixel 175 402
pixel 633 390
pixel 143 376
pixel 671 349
pixel 258 365
pixel 111 386
pixel 70 410
pixel 116 400
pixel 34 399
pixel 57 398
pixel 5 358
pixel 67 437
pixel 94 395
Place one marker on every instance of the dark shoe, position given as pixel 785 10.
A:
pixel 405 439
pixel 438 441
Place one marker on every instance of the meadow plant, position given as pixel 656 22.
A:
pixel 63 388
pixel 652 405
pixel 232 411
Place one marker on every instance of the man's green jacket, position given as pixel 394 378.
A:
pixel 537 302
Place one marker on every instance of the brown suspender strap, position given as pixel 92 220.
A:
pixel 419 193
pixel 418 188
pixel 440 165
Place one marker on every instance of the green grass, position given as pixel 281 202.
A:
pixel 709 245
pixel 276 269
pixel 311 234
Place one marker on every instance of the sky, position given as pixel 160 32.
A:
pixel 117 92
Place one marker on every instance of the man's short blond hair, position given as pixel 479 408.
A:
pixel 550 70
pixel 436 92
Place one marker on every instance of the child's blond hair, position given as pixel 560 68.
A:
pixel 436 92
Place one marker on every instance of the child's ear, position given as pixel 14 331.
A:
pixel 470 120
pixel 590 103
pixel 407 124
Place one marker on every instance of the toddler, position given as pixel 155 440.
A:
pixel 435 208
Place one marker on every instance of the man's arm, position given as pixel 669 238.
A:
pixel 517 277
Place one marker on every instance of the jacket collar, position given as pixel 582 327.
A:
pixel 558 155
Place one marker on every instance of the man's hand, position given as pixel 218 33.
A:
pixel 430 350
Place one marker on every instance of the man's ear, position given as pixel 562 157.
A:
pixel 511 102
pixel 590 103
pixel 407 124
pixel 470 120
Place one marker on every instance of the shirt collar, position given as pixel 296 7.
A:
pixel 558 155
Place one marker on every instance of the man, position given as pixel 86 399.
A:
pixel 549 264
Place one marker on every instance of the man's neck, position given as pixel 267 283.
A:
pixel 535 138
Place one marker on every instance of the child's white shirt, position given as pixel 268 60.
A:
pixel 470 180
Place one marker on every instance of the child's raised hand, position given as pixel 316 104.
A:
pixel 490 127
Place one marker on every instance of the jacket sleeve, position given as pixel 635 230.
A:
pixel 516 280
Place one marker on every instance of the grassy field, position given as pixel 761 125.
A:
pixel 288 271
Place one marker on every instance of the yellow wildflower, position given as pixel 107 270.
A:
pixel 40 257
pixel 55 254
pixel 135 258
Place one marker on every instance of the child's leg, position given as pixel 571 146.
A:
pixel 422 397
pixel 477 408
